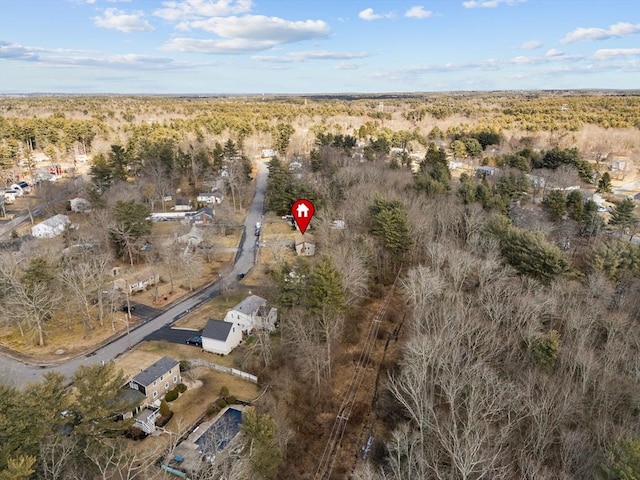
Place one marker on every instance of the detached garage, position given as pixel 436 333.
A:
pixel 221 337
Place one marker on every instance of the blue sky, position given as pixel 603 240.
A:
pixel 316 46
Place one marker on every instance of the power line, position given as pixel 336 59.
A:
pixel 340 424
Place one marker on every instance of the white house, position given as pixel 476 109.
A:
pixel 138 281
pixel 213 198
pixel 220 337
pixel 252 312
pixel 305 246
pixel 182 205
pixel 51 227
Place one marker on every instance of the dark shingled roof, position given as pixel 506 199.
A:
pixel 217 330
pixel 162 366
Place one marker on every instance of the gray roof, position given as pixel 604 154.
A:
pixel 217 330
pixel 203 210
pixel 153 372
pixel 55 220
pixel 129 395
pixel 250 304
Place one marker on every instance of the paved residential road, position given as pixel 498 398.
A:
pixel 19 373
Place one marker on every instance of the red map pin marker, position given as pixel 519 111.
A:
pixel 302 212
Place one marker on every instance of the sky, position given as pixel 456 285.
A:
pixel 316 46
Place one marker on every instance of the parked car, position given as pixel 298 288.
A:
pixel 22 187
pixel 130 310
pixel 10 196
pixel 197 341
pixel 240 276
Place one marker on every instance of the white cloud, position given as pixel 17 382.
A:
pixel 368 14
pixel 418 12
pixel 259 27
pixel 522 60
pixel 297 57
pixel 216 47
pixel 82 58
pixel 607 53
pixel 123 21
pixel 246 34
pixel 530 65
pixel 347 66
pixel 192 9
pixel 620 29
pixel 489 3
pixel 531 44
pixel 553 55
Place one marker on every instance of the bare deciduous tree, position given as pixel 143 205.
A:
pixel 55 452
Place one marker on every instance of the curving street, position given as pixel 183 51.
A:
pixel 21 372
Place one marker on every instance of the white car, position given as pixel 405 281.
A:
pixel 10 196
pixel 22 187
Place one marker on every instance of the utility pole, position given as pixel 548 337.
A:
pixel 127 316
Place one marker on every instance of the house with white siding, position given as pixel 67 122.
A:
pixel 253 313
pixel 221 337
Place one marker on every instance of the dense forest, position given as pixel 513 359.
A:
pixel 460 326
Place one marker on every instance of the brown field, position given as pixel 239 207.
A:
pixel 65 338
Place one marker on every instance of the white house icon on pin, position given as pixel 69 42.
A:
pixel 302 210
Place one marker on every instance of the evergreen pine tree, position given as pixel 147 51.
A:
pixel 556 204
pixel 604 184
